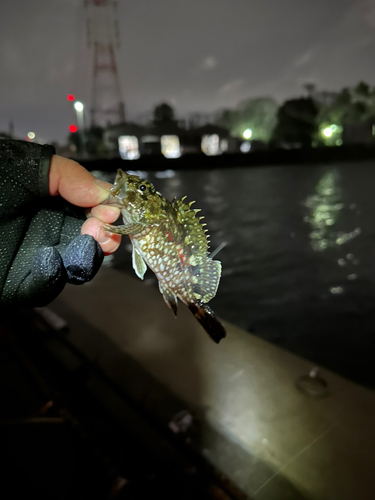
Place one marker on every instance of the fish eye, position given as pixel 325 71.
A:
pixel 142 187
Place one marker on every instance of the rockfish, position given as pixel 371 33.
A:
pixel 170 239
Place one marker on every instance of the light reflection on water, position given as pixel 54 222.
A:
pixel 299 267
pixel 324 206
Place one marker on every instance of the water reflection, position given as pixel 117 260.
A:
pixel 324 206
pixel 327 209
pixel 345 237
pixel 165 174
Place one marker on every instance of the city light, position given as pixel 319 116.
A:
pixel 78 106
pixel 327 132
pixel 331 134
pixel 31 135
pixel 224 145
pixel 73 128
pixel 247 133
pixel 170 146
pixel 245 147
pixel 70 97
pixel 128 147
pixel 210 145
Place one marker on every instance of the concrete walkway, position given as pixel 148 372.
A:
pixel 271 439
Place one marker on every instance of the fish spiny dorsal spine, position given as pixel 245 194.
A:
pixel 194 232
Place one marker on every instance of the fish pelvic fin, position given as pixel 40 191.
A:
pixel 169 298
pixel 206 317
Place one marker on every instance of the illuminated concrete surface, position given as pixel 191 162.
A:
pixel 268 437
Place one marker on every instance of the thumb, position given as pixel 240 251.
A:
pixel 75 184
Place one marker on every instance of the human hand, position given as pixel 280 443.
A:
pixel 59 245
pixel 76 185
pixel 46 240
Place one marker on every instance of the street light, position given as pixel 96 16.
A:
pixel 247 133
pixel 327 132
pixel 79 107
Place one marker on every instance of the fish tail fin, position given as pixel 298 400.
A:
pixel 209 321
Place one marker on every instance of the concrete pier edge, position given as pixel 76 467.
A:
pixel 237 403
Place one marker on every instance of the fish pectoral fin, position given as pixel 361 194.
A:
pixel 169 298
pixel 139 265
pixel 132 228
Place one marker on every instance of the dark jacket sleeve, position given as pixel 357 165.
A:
pixel 24 177
pixel 25 165
pixel 41 248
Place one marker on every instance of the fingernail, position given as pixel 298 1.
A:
pixel 104 185
pixel 104 188
pixel 103 236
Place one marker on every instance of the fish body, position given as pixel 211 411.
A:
pixel 169 238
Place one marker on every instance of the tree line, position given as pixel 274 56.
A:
pixel 317 119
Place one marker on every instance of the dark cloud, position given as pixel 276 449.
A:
pixel 198 54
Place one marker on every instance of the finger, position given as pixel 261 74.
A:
pixel 105 213
pixel 75 184
pixel 108 241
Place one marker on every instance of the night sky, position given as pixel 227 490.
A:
pixel 199 55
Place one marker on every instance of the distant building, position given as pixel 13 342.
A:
pixel 112 133
pixel 169 138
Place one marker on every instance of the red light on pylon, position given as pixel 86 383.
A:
pixel 70 97
pixel 73 128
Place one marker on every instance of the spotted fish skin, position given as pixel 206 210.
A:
pixel 169 238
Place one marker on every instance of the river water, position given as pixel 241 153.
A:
pixel 299 260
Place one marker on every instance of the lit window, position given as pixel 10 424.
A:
pixel 170 146
pixel 224 145
pixel 128 147
pixel 245 147
pixel 211 145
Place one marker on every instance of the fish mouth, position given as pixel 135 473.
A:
pixel 113 200
pixel 117 188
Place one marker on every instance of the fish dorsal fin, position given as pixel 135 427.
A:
pixel 194 231
pixel 209 276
